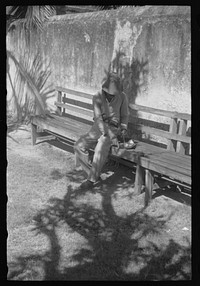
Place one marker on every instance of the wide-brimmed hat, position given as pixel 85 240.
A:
pixel 112 84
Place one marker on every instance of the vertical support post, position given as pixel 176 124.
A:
pixel 182 131
pixel 33 133
pixel 64 100
pixel 173 129
pixel 139 179
pixel 148 187
pixel 59 97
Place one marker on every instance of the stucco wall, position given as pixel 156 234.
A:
pixel 149 46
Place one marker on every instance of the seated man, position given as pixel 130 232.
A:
pixel 110 117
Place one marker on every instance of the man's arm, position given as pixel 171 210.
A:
pixel 124 112
pixel 103 127
pixel 97 103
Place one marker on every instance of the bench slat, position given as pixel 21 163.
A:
pixel 74 99
pixel 176 164
pixel 152 164
pixel 70 124
pixel 168 156
pixel 74 92
pixel 69 120
pixel 185 164
pixel 166 170
pixel 77 111
pixel 55 126
pixel 163 155
pixel 161 133
pixel 158 151
pixel 76 102
pixel 131 156
pixel 170 114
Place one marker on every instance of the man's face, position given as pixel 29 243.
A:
pixel 109 96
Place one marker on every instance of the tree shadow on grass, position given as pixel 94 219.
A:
pixel 117 247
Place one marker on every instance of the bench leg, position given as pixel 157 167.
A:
pixel 76 161
pixel 33 133
pixel 148 187
pixel 139 179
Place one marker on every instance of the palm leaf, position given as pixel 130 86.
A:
pixel 33 16
pixel 16 11
pixel 25 76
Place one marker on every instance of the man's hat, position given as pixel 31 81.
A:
pixel 112 84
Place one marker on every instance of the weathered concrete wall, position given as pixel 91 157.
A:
pixel 80 48
pixel 149 46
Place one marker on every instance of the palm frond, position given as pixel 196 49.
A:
pixel 34 16
pixel 29 82
pixel 16 101
pixel 24 67
pixel 16 11
pixel 48 11
pixel 108 7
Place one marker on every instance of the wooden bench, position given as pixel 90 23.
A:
pixel 169 157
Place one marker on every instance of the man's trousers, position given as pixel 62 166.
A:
pixel 92 139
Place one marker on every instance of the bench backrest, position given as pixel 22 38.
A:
pixel 172 133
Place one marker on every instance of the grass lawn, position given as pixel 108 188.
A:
pixel 58 233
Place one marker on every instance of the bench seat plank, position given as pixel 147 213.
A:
pixel 159 151
pixel 184 162
pixel 153 164
pixel 70 130
pixel 70 121
pixel 175 164
pixel 67 122
pixel 164 154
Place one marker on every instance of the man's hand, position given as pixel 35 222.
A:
pixel 124 132
pixel 115 143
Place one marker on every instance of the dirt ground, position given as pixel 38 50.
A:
pixel 56 232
